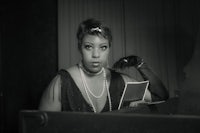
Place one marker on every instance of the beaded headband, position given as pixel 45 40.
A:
pixel 95 29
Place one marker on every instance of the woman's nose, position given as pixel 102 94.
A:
pixel 95 53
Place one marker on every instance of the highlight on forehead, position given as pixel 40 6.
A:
pixel 95 39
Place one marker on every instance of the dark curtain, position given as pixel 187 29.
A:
pixel 28 56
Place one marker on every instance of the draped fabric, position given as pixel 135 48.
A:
pixel 147 28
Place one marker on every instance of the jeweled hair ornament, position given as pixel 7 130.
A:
pixel 96 29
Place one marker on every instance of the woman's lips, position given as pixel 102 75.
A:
pixel 95 64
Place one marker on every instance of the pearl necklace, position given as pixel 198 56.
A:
pixel 88 89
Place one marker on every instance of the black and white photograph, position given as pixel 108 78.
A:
pixel 99 66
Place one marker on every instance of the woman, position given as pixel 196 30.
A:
pixel 90 86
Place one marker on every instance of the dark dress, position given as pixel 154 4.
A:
pixel 72 99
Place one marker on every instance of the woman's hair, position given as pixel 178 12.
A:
pixel 93 27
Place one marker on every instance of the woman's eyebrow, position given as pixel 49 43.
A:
pixel 88 43
pixel 104 43
pixel 93 43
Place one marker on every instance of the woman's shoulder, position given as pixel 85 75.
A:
pixel 73 75
pixel 68 72
pixel 73 71
pixel 124 76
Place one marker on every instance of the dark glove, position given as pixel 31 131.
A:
pixel 156 87
pixel 128 61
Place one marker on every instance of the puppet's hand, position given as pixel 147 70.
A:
pixel 128 61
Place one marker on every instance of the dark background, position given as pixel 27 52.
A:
pixel 28 56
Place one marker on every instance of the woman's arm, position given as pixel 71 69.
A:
pixel 156 88
pixel 51 98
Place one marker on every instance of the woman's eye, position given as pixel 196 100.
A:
pixel 104 48
pixel 88 47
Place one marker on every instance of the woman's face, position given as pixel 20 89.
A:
pixel 95 52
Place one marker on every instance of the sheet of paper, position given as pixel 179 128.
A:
pixel 133 92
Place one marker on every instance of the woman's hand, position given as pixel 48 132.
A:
pixel 157 89
pixel 128 61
